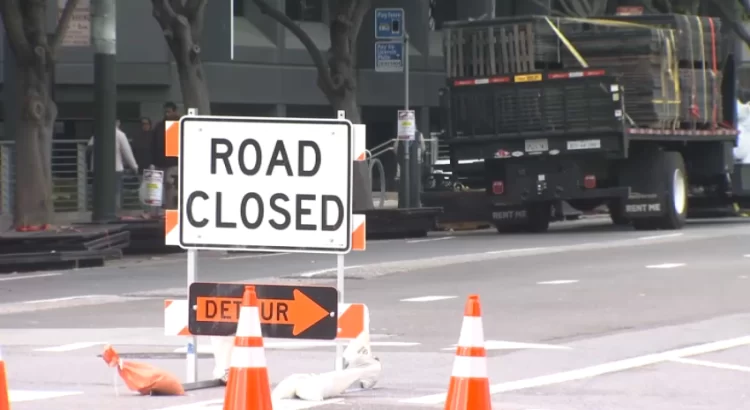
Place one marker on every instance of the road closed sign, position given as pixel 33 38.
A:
pixel 265 184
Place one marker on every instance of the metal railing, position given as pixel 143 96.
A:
pixel 71 179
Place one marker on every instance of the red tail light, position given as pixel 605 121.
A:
pixel 498 187
pixel 589 181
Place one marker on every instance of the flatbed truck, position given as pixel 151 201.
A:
pixel 514 165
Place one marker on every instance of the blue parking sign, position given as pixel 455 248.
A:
pixel 389 57
pixel 389 23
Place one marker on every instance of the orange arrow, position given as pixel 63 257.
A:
pixel 300 312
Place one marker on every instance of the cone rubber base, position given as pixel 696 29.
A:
pixel 469 394
pixel 248 389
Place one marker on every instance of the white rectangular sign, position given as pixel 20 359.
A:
pixel 79 28
pixel 407 125
pixel 260 184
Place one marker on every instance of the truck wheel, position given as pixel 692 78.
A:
pixel 670 168
pixel 539 217
pixel 617 213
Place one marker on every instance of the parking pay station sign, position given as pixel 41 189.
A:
pixel 265 184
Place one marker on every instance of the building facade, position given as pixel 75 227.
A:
pixel 267 72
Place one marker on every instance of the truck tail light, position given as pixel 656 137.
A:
pixel 498 187
pixel 589 181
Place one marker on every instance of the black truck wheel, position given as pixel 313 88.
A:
pixel 539 217
pixel 617 213
pixel 667 170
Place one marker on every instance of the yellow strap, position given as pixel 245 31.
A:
pixel 567 43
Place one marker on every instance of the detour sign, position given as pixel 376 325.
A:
pixel 304 312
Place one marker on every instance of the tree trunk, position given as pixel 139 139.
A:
pixel 33 165
pixel 193 86
pixel 347 103
pixel 362 180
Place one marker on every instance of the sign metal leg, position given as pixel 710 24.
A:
pixel 340 287
pixel 192 347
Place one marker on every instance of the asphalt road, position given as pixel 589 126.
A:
pixel 588 316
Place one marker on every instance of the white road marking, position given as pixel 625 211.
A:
pixel 69 347
pixel 665 266
pixel 665 236
pixel 204 348
pixel 319 272
pixel 747 256
pixel 598 370
pixel 254 256
pixel 20 396
pixel 520 250
pixel 285 404
pixel 428 298
pixel 430 239
pixel 62 299
pixel 715 365
pixel 503 345
pixel 19 276
pixel 558 282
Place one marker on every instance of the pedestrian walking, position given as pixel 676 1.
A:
pixel 123 155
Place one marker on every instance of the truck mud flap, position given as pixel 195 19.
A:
pixel 643 206
pixel 460 207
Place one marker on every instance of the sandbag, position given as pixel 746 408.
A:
pixel 143 378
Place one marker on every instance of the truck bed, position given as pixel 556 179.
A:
pixel 550 113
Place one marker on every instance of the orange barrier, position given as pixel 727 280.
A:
pixel 470 385
pixel 248 387
pixel 4 392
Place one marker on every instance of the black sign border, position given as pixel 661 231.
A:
pixel 259 248
pixel 326 329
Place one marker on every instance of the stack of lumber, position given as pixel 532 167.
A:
pixel 665 63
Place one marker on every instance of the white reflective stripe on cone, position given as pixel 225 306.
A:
pixel 248 357
pixel 470 367
pixel 472 332
pixel 251 327
pixel 1 354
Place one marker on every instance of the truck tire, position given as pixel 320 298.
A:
pixel 617 213
pixel 670 168
pixel 539 217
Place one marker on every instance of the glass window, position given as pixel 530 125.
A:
pixel 239 8
pixel 305 10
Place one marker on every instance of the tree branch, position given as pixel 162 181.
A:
pixel 567 10
pixel 358 16
pixel 164 13
pixel 13 22
pixel 552 11
pixel 324 74
pixel 735 23
pixel 194 8
pixel 62 25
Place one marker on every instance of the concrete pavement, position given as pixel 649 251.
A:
pixel 587 316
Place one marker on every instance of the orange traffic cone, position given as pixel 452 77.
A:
pixel 248 387
pixel 4 393
pixel 470 386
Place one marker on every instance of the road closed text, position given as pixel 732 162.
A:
pixel 301 211
pixel 258 184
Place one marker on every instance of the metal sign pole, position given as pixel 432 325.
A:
pixel 340 263
pixel 192 275
pixel 407 142
pixel 340 286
